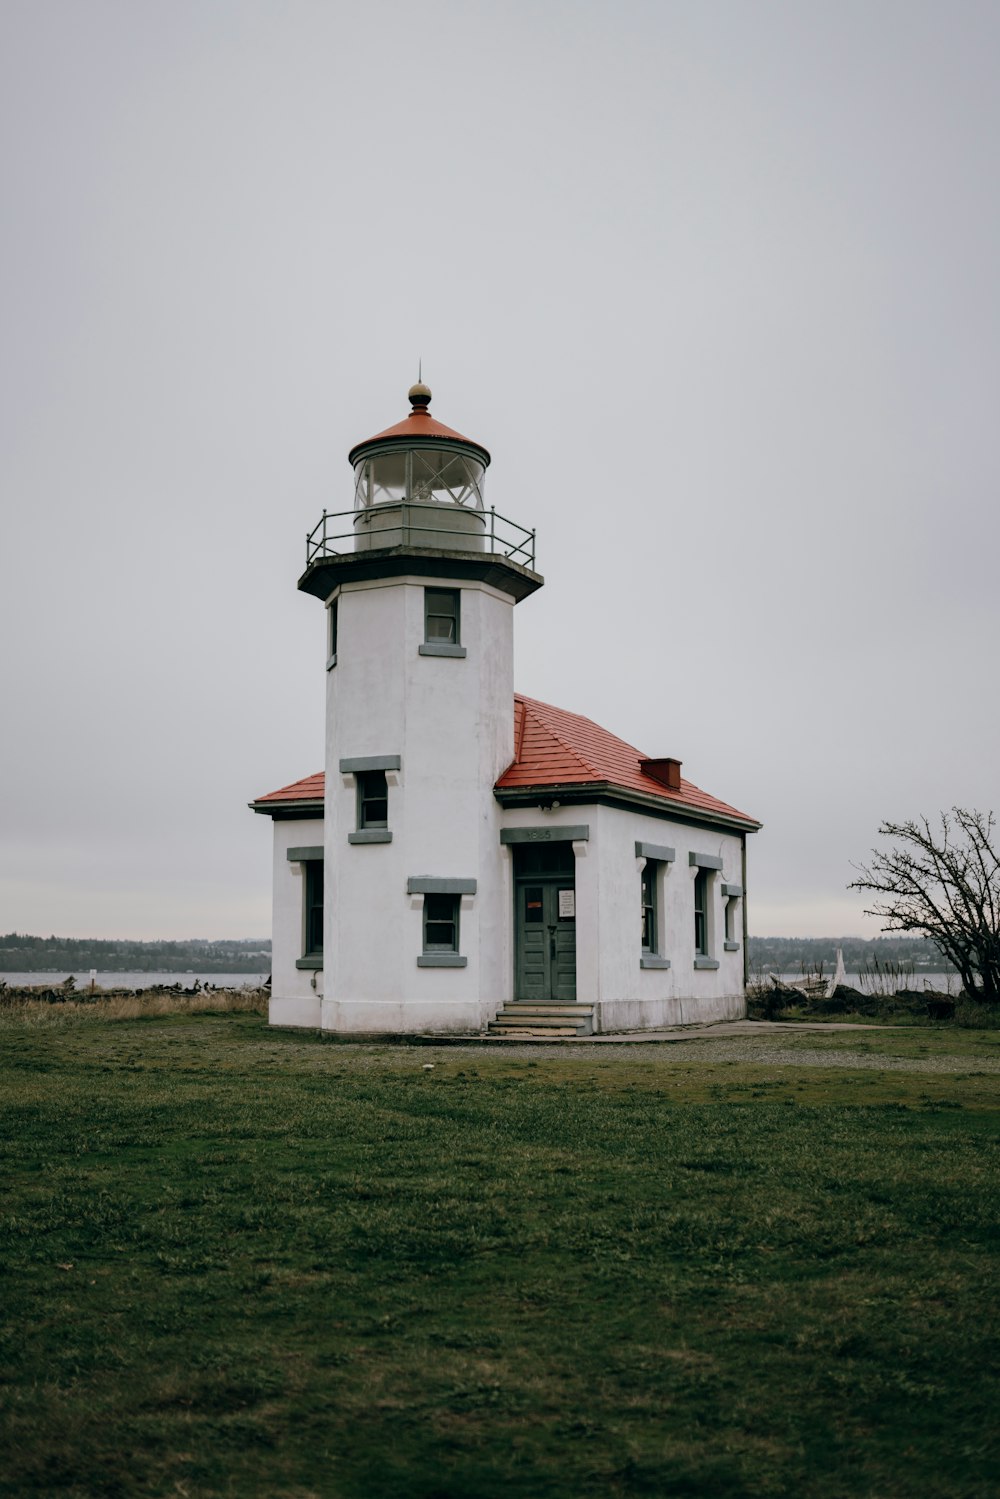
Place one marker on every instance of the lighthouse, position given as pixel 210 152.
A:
pixel 419 581
pixel 471 859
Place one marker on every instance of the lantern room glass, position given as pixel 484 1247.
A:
pixel 420 475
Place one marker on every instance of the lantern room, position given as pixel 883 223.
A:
pixel 419 461
pixel 419 494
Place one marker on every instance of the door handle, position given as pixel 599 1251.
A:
pixel 552 941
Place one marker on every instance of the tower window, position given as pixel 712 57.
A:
pixel 331 656
pixel 371 790
pixel 373 800
pixel 441 616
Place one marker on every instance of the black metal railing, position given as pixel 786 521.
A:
pixel 420 524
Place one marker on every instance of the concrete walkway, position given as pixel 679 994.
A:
pixel 719 1030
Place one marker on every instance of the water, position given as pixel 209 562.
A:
pixel 918 981
pixel 134 980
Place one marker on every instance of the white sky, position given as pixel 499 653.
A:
pixel 717 285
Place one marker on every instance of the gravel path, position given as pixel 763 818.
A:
pixel 751 1043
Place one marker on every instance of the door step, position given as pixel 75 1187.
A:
pixel 518 1021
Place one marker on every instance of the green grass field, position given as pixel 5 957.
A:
pixel 239 1262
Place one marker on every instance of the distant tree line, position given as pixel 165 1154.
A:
pixel 20 953
pixel 789 954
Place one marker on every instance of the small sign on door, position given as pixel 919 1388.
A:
pixel 567 905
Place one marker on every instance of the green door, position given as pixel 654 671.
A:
pixel 545 930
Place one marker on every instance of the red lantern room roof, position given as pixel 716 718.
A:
pixel 419 427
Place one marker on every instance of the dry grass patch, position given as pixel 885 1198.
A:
pixel 151 1004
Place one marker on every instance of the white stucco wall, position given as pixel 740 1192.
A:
pixel 633 997
pixel 296 993
pixel 450 721
pixel 627 996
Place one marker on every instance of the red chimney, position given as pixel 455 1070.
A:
pixel 664 770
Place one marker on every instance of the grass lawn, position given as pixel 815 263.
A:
pixel 240 1262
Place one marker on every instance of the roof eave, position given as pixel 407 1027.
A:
pixel 289 807
pixel 385 443
pixel 608 791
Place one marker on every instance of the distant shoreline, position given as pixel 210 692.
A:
pixel 130 978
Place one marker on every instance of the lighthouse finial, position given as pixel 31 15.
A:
pixel 420 394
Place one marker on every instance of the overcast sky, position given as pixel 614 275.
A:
pixel 716 283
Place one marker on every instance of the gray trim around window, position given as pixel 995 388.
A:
pixel 704 861
pixel 650 960
pixel 732 891
pixel 331 662
pixel 301 855
pixel 554 834
pixel 441 648
pixel 703 962
pixel 441 960
pixel 428 884
pixel 658 851
pixel 358 764
pixel 315 960
pixel 730 947
pixel 371 835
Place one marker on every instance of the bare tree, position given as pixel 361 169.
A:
pixel 945 884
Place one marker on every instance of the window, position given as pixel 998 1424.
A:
pixel 701 913
pixel 313 944
pixel 331 656
pixel 732 894
pixel 442 623
pixel 310 861
pixel 656 861
pixel 441 614
pixel 441 923
pixel 372 775
pixel 706 867
pixel 441 899
pixel 373 800
pixel 649 922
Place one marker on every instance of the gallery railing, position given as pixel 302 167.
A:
pixel 414 524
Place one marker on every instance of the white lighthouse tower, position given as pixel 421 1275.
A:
pixel 419 580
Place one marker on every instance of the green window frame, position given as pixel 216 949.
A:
pixel 373 799
pixel 701 913
pixel 650 914
pixel 331 655
pixel 312 946
pixel 442 616
pixel 441 923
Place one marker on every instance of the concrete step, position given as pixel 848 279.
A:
pixel 544 1020
pixel 550 1026
pixel 548 1034
pixel 552 1009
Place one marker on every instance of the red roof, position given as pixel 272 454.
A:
pixel 309 789
pixel 556 748
pixel 419 425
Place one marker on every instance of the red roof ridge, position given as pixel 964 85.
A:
pixel 309 788
pixel 555 747
pixel 604 758
pixel 531 702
